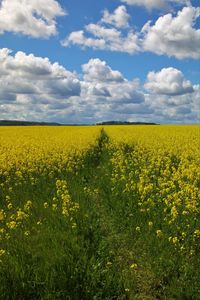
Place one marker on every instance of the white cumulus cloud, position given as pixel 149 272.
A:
pixel 156 4
pixel 34 18
pixel 27 75
pixel 107 34
pixel 174 36
pixel 34 88
pixel 172 97
pixel 118 18
pixel 168 81
pixel 98 70
pixel 171 35
pixel 99 76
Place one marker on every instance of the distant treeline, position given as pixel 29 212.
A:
pixel 25 123
pixel 125 123
pixel 29 123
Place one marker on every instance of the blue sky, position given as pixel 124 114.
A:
pixel 126 60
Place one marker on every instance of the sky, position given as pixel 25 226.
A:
pixel 89 61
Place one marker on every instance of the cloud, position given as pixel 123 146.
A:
pixel 175 109
pixel 33 88
pixel 6 96
pixel 35 18
pixel 98 75
pixel 78 38
pixel 98 70
pixel 103 38
pixel 126 93
pixel 96 89
pixel 170 35
pixel 28 74
pixel 196 101
pixel 119 18
pixel 156 4
pixel 132 109
pixel 172 97
pixel 107 34
pixel 168 81
pixel 149 4
pixel 174 36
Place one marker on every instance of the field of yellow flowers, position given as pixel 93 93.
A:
pixel 100 213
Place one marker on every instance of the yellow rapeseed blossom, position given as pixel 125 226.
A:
pixel 134 266
pixel 28 205
pixel 11 224
pixel 39 222
pixel 150 224
pixel 159 233
pixel 21 215
pixel 2 215
pixel 54 206
pixel 197 233
pixel 9 206
pixel 156 168
pixel 2 252
pixel 46 205
pixel 175 240
pixel 63 199
pixel 42 150
pixel 30 153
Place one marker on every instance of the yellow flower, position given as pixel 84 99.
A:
pixel 7 236
pixel 134 266
pixel 28 205
pixel 192 252
pixel 2 252
pixel 150 224
pixel 74 225
pixel 46 205
pixel 159 233
pixel 9 206
pixel 2 215
pixel 197 233
pixel 7 198
pixel 54 206
pixel 11 225
pixel 21 215
pixel 184 213
pixel 2 230
pixel 175 240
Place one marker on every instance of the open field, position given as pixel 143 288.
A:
pixel 107 212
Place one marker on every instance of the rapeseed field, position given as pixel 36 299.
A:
pixel 100 213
